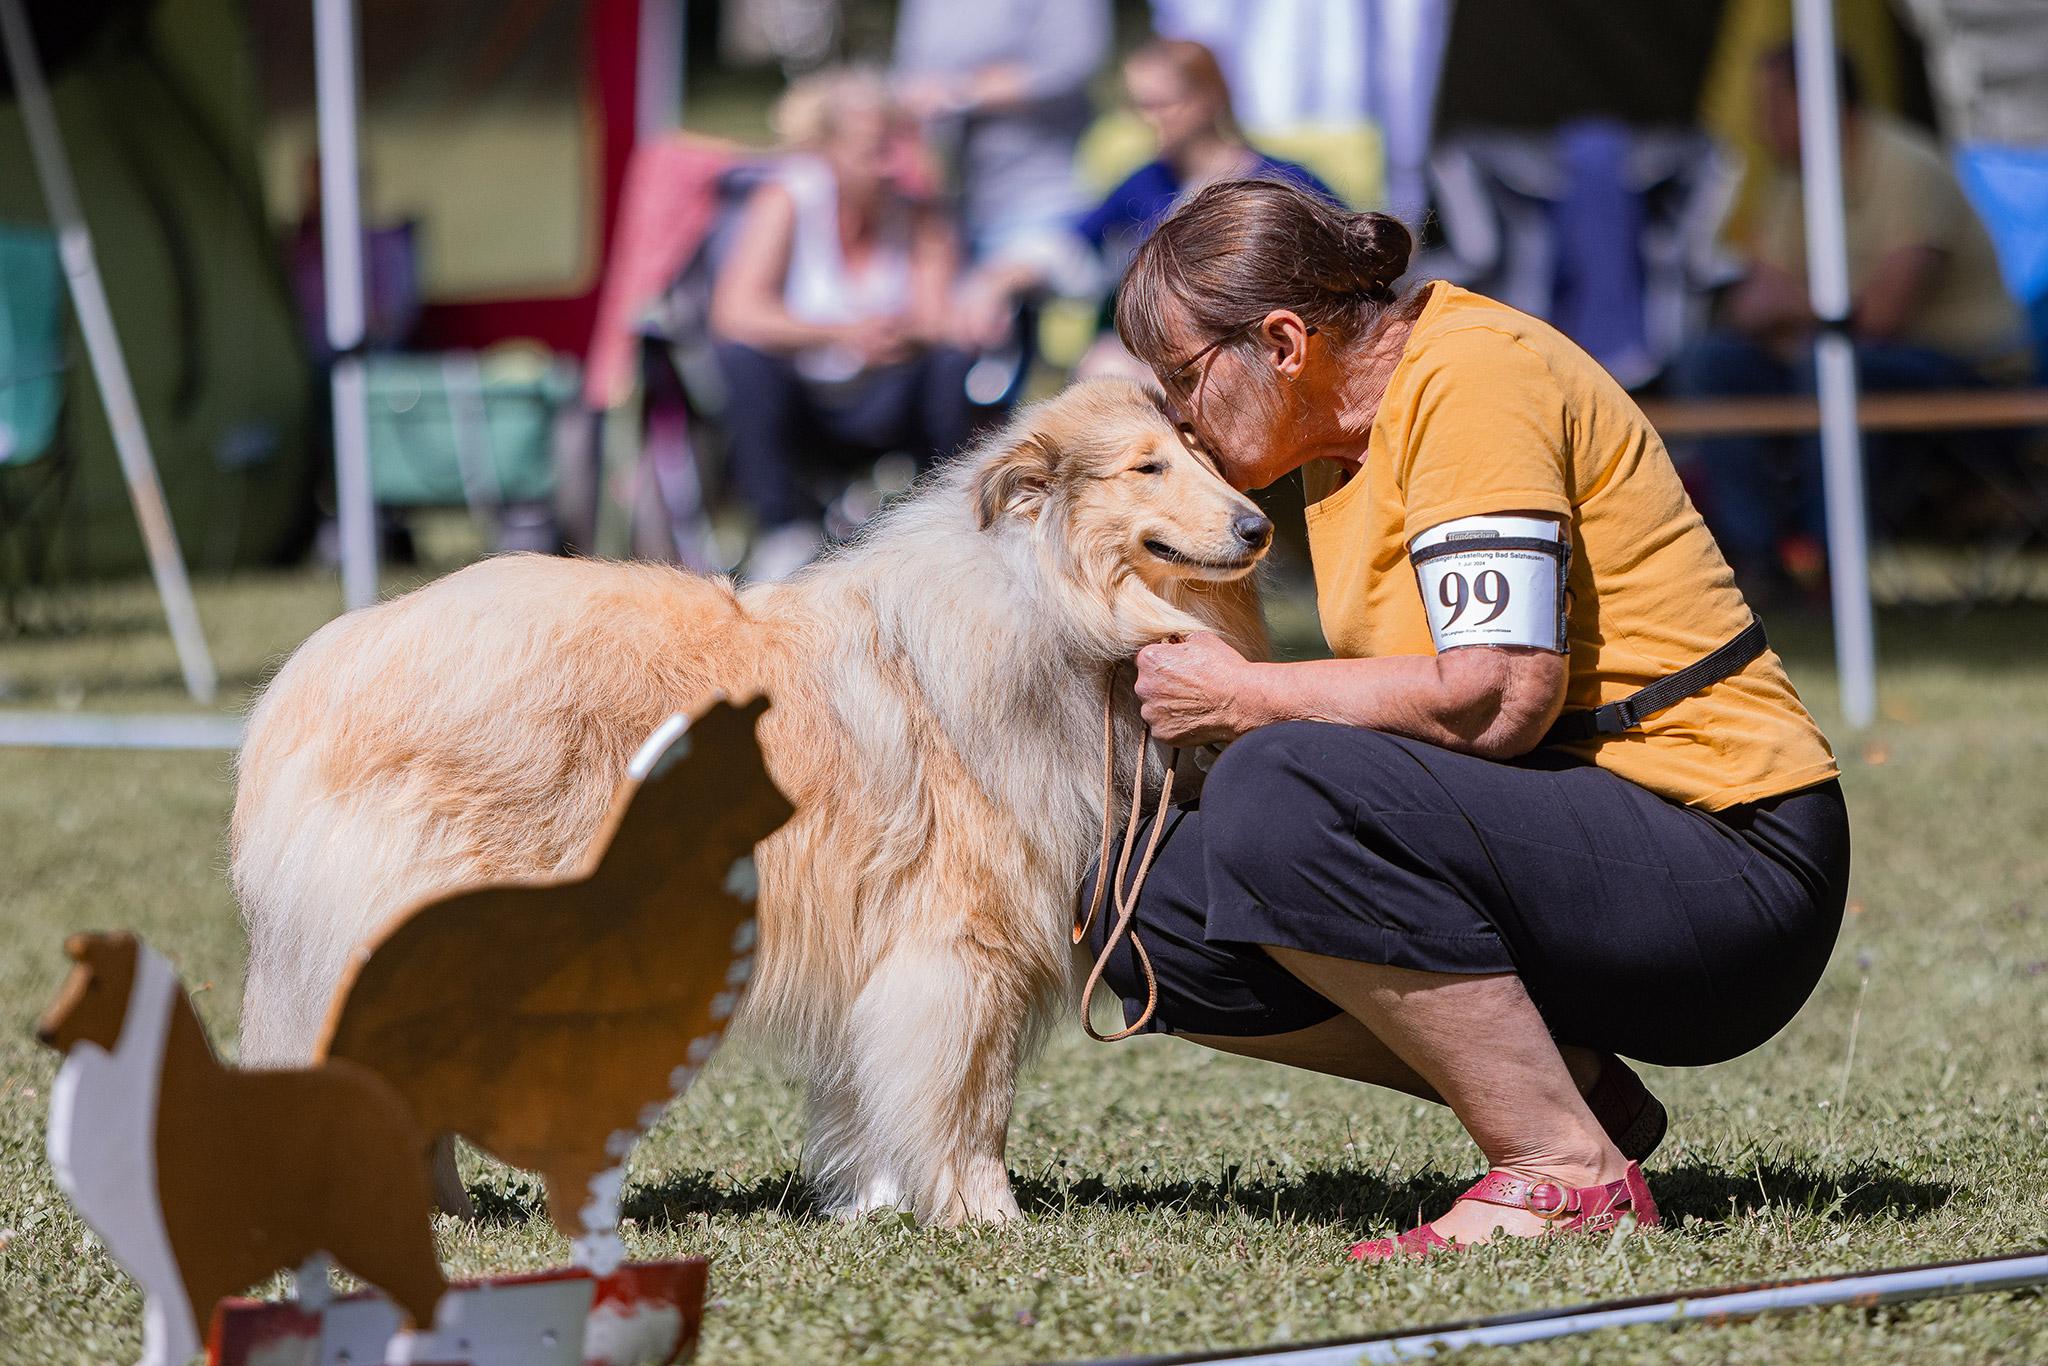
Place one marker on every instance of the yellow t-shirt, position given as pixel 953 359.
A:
pixel 1898 192
pixel 1492 411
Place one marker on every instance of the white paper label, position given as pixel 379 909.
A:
pixel 1487 593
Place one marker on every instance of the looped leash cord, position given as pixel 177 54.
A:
pixel 1126 900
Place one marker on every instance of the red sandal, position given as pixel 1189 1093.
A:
pixel 1586 1209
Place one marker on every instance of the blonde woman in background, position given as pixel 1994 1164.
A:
pixel 831 316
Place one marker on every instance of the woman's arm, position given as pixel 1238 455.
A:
pixel 934 274
pixel 746 301
pixel 1494 701
pixel 1770 304
pixel 1897 284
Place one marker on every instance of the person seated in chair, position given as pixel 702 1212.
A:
pixel 830 317
pixel 1179 90
pixel 1000 91
pixel 1929 311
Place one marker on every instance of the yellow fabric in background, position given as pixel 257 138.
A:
pixel 1752 28
pixel 1492 411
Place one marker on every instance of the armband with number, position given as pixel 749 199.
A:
pixel 1494 580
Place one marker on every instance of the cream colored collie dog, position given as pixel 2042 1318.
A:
pixel 938 691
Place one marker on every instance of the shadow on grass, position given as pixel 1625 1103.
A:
pixel 1344 1195
pixel 1352 1196
pixel 508 1205
pixel 1863 1190
pixel 1333 1195
pixel 682 1196
pixel 1316 1195
pixel 675 1199
pixel 1696 1190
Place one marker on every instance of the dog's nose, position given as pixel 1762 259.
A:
pixel 1252 528
pixel 46 1036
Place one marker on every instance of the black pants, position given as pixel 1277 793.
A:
pixel 780 426
pixel 1637 925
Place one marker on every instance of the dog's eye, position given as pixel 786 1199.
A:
pixel 1149 467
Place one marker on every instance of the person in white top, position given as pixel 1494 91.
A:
pixel 832 317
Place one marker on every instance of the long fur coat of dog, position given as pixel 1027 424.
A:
pixel 938 689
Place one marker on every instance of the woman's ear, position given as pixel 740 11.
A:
pixel 1284 337
pixel 1015 481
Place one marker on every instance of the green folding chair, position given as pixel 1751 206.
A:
pixel 33 475
pixel 31 343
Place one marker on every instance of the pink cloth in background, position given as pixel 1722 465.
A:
pixel 668 205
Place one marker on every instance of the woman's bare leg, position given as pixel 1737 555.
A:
pixel 1342 1047
pixel 1339 1047
pixel 1479 1043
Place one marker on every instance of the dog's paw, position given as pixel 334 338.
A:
pixel 879 1196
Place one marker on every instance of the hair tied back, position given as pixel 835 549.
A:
pixel 1379 245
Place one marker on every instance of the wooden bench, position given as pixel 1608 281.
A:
pixel 1995 568
pixel 1932 411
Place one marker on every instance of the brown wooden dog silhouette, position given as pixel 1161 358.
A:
pixel 549 1021
pixel 231 1175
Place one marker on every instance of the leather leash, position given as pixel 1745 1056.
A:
pixel 1126 900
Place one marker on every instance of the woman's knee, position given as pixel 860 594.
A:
pixel 1257 762
pixel 1275 788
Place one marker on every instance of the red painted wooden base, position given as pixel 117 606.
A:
pixel 643 1314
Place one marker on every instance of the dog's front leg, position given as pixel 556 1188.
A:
pixel 934 1044
pixel 840 1157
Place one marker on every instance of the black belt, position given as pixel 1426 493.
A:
pixel 1666 692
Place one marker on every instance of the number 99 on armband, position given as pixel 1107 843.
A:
pixel 1494 580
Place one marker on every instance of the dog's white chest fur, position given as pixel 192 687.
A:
pixel 103 1149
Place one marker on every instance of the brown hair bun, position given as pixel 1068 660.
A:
pixel 1379 247
pixel 1240 249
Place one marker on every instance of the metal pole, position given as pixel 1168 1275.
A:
pixel 75 730
pixel 658 72
pixel 103 348
pixel 1733 1305
pixel 341 243
pixel 1834 357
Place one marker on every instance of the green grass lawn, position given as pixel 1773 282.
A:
pixel 1179 1199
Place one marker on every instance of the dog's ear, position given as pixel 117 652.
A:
pixel 1015 481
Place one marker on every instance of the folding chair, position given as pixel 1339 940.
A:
pixel 34 472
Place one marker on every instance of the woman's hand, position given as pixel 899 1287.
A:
pixel 1197 691
pixel 878 341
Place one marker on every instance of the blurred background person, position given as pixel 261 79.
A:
pixel 831 315
pixel 1330 64
pixel 1929 311
pixel 1178 88
pixel 1002 88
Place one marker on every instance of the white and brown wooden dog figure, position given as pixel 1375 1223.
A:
pixel 550 1020
pixel 203 1179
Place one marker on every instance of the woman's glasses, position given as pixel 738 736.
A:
pixel 1172 381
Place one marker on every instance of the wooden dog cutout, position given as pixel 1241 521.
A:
pixel 203 1179
pixel 551 1021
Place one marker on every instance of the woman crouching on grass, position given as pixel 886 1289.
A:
pixel 1446 861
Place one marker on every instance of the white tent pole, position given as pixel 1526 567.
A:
pixel 341 243
pixel 103 349
pixel 1834 356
